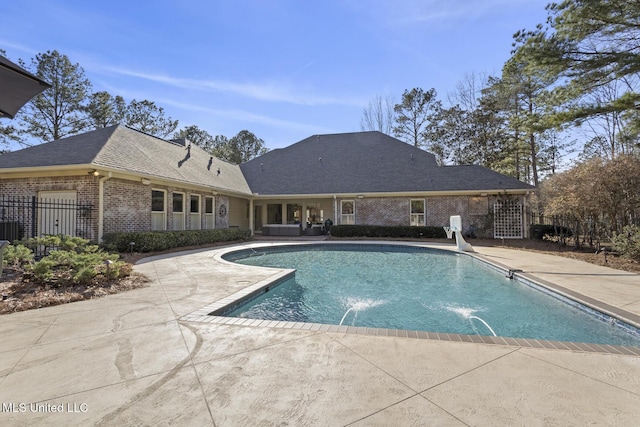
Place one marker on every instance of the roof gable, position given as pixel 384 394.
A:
pixel 363 162
pixel 120 148
pixel 74 150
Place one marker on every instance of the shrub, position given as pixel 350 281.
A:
pixel 17 256
pixel 60 242
pixel 543 231
pixel 628 242
pixel 151 241
pixel 387 231
pixel 43 269
pixel 67 259
pixel 77 267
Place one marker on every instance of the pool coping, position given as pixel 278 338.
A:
pixel 207 314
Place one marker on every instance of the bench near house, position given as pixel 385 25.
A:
pixel 137 182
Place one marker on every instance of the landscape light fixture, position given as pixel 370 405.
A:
pixel 108 263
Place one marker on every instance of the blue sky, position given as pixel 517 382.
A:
pixel 282 69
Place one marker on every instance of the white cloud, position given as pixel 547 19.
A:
pixel 245 116
pixel 11 47
pixel 271 92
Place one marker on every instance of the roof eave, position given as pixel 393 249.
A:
pixel 22 172
pixel 75 170
pixel 495 192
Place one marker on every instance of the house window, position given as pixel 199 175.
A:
pixel 348 213
pixel 158 210
pixel 417 213
pixel 209 218
pixel 194 212
pixel 178 211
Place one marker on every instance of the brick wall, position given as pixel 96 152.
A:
pixel 475 211
pixel 85 187
pixel 439 209
pixel 382 211
pixel 127 206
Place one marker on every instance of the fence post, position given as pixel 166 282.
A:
pixel 33 215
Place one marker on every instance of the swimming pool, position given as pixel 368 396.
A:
pixel 415 288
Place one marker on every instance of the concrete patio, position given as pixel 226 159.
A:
pixel 133 359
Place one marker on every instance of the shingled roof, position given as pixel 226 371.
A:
pixel 347 163
pixel 364 162
pixel 119 148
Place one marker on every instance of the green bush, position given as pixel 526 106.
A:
pixel 627 242
pixel 60 242
pixel 539 231
pixel 151 241
pixel 387 231
pixel 77 267
pixel 67 259
pixel 43 269
pixel 17 256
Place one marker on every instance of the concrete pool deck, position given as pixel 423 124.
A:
pixel 133 359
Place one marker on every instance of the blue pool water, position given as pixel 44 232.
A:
pixel 412 288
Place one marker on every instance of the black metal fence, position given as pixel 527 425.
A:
pixel 24 217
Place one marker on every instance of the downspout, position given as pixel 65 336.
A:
pixel 335 209
pixel 101 181
pixel 251 218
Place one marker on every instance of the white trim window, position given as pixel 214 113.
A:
pixel 347 212
pixel 209 217
pixel 178 210
pixel 417 214
pixel 195 218
pixel 158 209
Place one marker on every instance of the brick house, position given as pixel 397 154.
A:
pixel 138 182
pixel 372 178
pixel 135 181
